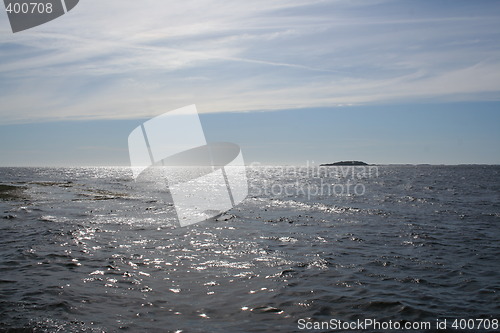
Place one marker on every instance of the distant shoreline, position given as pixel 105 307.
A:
pixel 249 165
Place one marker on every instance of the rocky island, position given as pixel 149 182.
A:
pixel 345 163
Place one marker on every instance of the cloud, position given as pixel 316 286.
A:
pixel 111 59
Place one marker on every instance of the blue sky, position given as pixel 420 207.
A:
pixel 290 81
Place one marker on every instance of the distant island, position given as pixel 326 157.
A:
pixel 345 163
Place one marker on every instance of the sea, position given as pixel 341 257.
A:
pixel 321 249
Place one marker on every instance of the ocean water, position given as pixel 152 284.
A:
pixel 90 250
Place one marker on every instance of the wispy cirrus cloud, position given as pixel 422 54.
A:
pixel 111 59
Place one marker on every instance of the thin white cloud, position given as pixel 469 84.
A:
pixel 114 59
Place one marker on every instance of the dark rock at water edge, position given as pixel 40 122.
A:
pixel 10 192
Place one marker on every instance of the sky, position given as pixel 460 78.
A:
pixel 291 82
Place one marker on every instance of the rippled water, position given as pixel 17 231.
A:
pixel 90 250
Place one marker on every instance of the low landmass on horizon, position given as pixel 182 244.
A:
pixel 345 163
